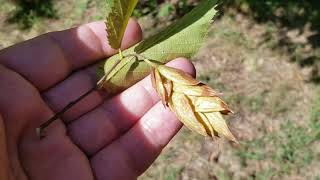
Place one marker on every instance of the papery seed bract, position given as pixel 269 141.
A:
pixel 219 125
pixel 210 104
pixel 177 76
pixel 153 78
pixel 160 87
pixel 196 105
pixel 199 90
pixel 211 132
pixel 168 85
pixel 180 105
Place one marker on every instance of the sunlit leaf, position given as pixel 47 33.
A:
pixel 183 38
pixel 118 14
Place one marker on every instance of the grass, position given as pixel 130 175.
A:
pixel 290 147
pixel 28 12
pixel 276 108
pixel 315 113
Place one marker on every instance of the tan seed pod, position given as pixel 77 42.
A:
pixel 196 105
pixel 210 104
pixel 160 87
pixel 219 125
pixel 210 131
pixel 168 85
pixel 199 90
pixel 177 76
pixel 181 106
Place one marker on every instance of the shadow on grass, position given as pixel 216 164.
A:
pixel 28 11
pixel 287 16
pixel 153 7
pixel 290 15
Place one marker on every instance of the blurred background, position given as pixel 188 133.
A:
pixel 263 55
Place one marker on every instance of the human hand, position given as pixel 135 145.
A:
pixel 100 137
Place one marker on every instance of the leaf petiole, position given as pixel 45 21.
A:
pixel 120 54
pixel 145 59
pixel 152 64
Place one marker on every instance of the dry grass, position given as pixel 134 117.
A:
pixel 276 111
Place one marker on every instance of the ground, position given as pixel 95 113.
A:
pixel 275 100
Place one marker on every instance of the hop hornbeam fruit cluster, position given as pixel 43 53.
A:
pixel 195 104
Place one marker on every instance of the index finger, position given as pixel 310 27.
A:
pixel 50 58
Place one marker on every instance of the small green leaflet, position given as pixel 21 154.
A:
pixel 181 39
pixel 118 14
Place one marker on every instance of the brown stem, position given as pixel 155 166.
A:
pixel 61 112
pixel 98 86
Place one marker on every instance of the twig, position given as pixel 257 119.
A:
pixel 61 112
pixel 98 86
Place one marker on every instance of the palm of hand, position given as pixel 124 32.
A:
pixel 115 138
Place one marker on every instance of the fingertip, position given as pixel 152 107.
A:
pixel 132 35
pixel 99 30
pixel 159 125
pixel 183 64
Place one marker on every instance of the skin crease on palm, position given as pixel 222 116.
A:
pixel 101 137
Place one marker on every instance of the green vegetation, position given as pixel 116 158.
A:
pixel 290 12
pixel 169 8
pixel 290 148
pixel 294 15
pixel 27 12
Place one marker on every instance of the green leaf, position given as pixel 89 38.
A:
pixel 181 39
pixel 118 14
